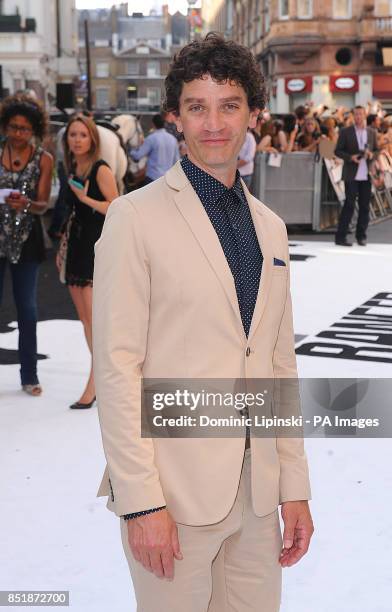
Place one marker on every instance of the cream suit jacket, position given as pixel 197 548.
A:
pixel 165 306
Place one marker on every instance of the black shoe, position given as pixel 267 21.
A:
pixel 361 241
pixel 344 242
pixel 80 405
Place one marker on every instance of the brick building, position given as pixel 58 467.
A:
pixel 337 52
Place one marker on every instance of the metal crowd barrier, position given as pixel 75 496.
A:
pixel 301 192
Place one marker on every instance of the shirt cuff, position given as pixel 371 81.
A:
pixel 128 517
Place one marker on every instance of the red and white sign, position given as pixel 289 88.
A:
pixel 298 84
pixel 346 82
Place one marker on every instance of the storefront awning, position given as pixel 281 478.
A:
pixel 382 86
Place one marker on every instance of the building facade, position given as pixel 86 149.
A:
pixel 38 45
pixel 140 75
pixel 129 56
pixel 337 53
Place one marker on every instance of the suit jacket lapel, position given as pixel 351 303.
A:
pixel 266 249
pixel 191 208
pixel 195 215
pixel 355 136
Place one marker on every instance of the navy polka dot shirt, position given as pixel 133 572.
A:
pixel 230 216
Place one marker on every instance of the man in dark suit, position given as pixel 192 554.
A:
pixel 356 146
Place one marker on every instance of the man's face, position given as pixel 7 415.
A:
pixel 214 119
pixel 359 116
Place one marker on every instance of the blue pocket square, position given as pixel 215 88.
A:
pixel 279 262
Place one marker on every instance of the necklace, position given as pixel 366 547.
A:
pixel 84 170
pixel 17 162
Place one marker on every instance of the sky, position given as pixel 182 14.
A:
pixel 137 6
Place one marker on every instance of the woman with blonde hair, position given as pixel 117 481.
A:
pixel 309 138
pixel 329 129
pixel 272 138
pixel 91 189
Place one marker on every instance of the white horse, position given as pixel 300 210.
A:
pixel 113 153
pixel 131 132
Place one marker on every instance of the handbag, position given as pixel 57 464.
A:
pixel 63 249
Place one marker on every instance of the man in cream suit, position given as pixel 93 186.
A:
pixel 192 282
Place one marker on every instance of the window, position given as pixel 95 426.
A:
pixel 132 67
pixel 101 42
pixel 153 68
pixel 343 56
pixel 102 97
pixel 102 70
pixel 155 42
pixel 304 9
pixel 383 8
pixel 243 24
pixel 132 90
pixel 267 20
pixel 154 96
pixel 283 9
pixel 342 9
pixel 259 24
pixel 127 43
pixel 249 23
pixel 229 15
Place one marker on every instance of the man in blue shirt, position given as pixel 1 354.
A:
pixel 161 149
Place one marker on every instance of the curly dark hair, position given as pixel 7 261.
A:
pixel 224 60
pixel 28 107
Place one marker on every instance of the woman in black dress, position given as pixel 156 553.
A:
pixel 92 187
pixel 25 182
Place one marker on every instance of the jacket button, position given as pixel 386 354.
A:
pixel 248 351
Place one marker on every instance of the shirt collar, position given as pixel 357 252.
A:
pixel 207 187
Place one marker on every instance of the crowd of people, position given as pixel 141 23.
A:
pixel 362 137
pixel 358 140
pixel 307 126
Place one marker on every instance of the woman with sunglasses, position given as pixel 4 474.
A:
pixel 25 181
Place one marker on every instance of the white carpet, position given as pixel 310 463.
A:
pixel 56 535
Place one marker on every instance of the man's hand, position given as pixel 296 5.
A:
pixel 368 154
pixel 298 529
pixel 356 158
pixel 153 539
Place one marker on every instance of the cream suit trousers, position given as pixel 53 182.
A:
pixel 230 566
